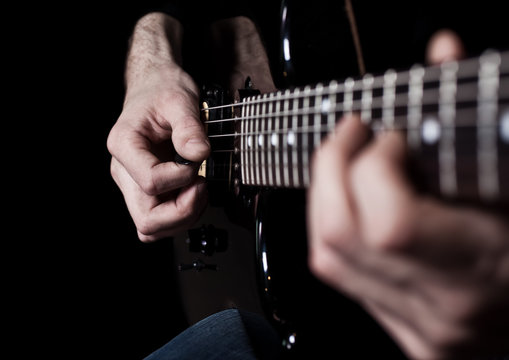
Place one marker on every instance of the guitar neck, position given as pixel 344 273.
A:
pixel 455 118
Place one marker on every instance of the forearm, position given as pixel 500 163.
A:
pixel 241 53
pixel 155 47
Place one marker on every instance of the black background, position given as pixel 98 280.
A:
pixel 79 283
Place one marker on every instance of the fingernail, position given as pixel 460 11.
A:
pixel 198 140
pixel 198 144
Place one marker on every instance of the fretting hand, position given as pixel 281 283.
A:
pixel 435 276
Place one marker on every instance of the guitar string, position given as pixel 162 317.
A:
pixel 356 104
pixel 263 100
pixel 339 88
pixel 375 121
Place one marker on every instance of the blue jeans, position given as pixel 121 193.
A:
pixel 227 335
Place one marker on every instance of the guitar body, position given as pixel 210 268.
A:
pixel 263 269
pixel 249 249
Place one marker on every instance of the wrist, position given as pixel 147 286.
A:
pixel 155 47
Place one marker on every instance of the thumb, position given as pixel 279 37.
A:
pixel 187 131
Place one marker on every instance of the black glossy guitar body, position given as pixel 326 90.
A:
pixel 261 266
pixel 249 249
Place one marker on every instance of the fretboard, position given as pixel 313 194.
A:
pixel 455 118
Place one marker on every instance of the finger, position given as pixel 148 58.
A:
pixel 410 317
pixel 134 150
pixel 469 239
pixel 155 215
pixel 392 217
pixel 171 215
pixel 382 194
pixel 187 131
pixel 331 217
pixel 403 332
pixel 428 336
pixel 177 228
pixel 191 202
pixel 444 45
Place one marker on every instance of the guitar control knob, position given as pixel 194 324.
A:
pixel 207 240
pixel 197 265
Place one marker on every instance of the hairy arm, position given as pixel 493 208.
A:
pixel 160 118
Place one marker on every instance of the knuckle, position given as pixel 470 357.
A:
pixel 319 263
pixel 179 99
pixel 114 169
pixel 186 175
pixel 111 141
pixel 333 232
pixel 185 212
pixel 188 129
pixel 315 264
pixel 329 267
pixel 147 238
pixel 145 227
pixel 148 185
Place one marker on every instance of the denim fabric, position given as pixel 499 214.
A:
pixel 227 335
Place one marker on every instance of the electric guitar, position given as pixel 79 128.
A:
pixel 249 249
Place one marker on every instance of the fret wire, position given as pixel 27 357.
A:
pixel 286 174
pixel 331 119
pixel 389 97
pixel 348 102
pixel 261 139
pixel 276 156
pixel 318 114
pixel 367 98
pixel 295 174
pixel 270 173
pixel 253 134
pixel 487 115
pixel 250 143
pixel 243 144
pixel 415 96
pixel 447 115
pixel 305 138
pixel 258 178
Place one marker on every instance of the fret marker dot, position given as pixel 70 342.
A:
pixel 249 141
pixel 274 140
pixel 291 138
pixel 504 126
pixel 325 105
pixel 430 130
pixel 260 140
